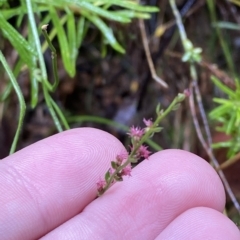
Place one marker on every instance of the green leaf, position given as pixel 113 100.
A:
pixel 111 15
pixel 134 160
pixel 23 48
pixel 93 7
pixel 9 13
pixel 226 25
pixel 107 176
pixel 72 38
pixel 223 87
pixel 222 145
pixel 219 111
pixel 158 129
pixel 106 31
pixel 129 5
pixel 64 45
pixel 20 99
pixel 114 165
pixel 176 107
pixel 158 108
pixel 132 14
pixel 32 69
pixel 231 123
pixel 223 101
pixel 82 27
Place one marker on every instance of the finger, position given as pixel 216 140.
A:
pixel 49 182
pixel 200 223
pixel 140 207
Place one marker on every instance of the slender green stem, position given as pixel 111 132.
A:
pixel 60 114
pixel 181 28
pixel 38 48
pixel 54 57
pixel 53 32
pixel 6 92
pixel 51 109
pixel 37 44
pixel 8 89
pixel 22 104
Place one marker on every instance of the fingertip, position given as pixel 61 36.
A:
pixel 189 164
pixel 53 179
pixel 200 223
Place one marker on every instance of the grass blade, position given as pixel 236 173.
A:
pixel 22 104
pixel 23 48
pixel 106 31
pixel 64 45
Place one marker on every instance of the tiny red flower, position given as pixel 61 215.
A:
pixel 121 157
pixel 143 152
pixel 127 171
pixel 187 92
pixel 148 122
pixel 136 133
pixel 100 184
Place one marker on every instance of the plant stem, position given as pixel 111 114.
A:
pixel 53 56
pixel 20 99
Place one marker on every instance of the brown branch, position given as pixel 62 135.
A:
pixel 210 153
pixel 148 54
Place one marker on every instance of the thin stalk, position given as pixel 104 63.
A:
pixel 60 114
pixel 38 45
pixel 53 56
pixel 51 109
pixel 22 104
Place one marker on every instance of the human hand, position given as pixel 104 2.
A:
pixel 48 190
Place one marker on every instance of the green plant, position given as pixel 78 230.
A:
pixel 228 115
pixel 71 21
pixel 192 56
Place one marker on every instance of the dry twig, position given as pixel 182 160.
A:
pixel 148 55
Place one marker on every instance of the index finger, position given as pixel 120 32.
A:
pixel 49 182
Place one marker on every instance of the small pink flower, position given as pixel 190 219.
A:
pixel 187 92
pixel 121 157
pixel 136 133
pixel 148 122
pixel 100 185
pixel 143 152
pixel 127 171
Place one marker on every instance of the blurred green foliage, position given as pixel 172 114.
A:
pixel 70 21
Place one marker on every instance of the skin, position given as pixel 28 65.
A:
pixel 48 190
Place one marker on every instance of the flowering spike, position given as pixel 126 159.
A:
pixel 121 166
